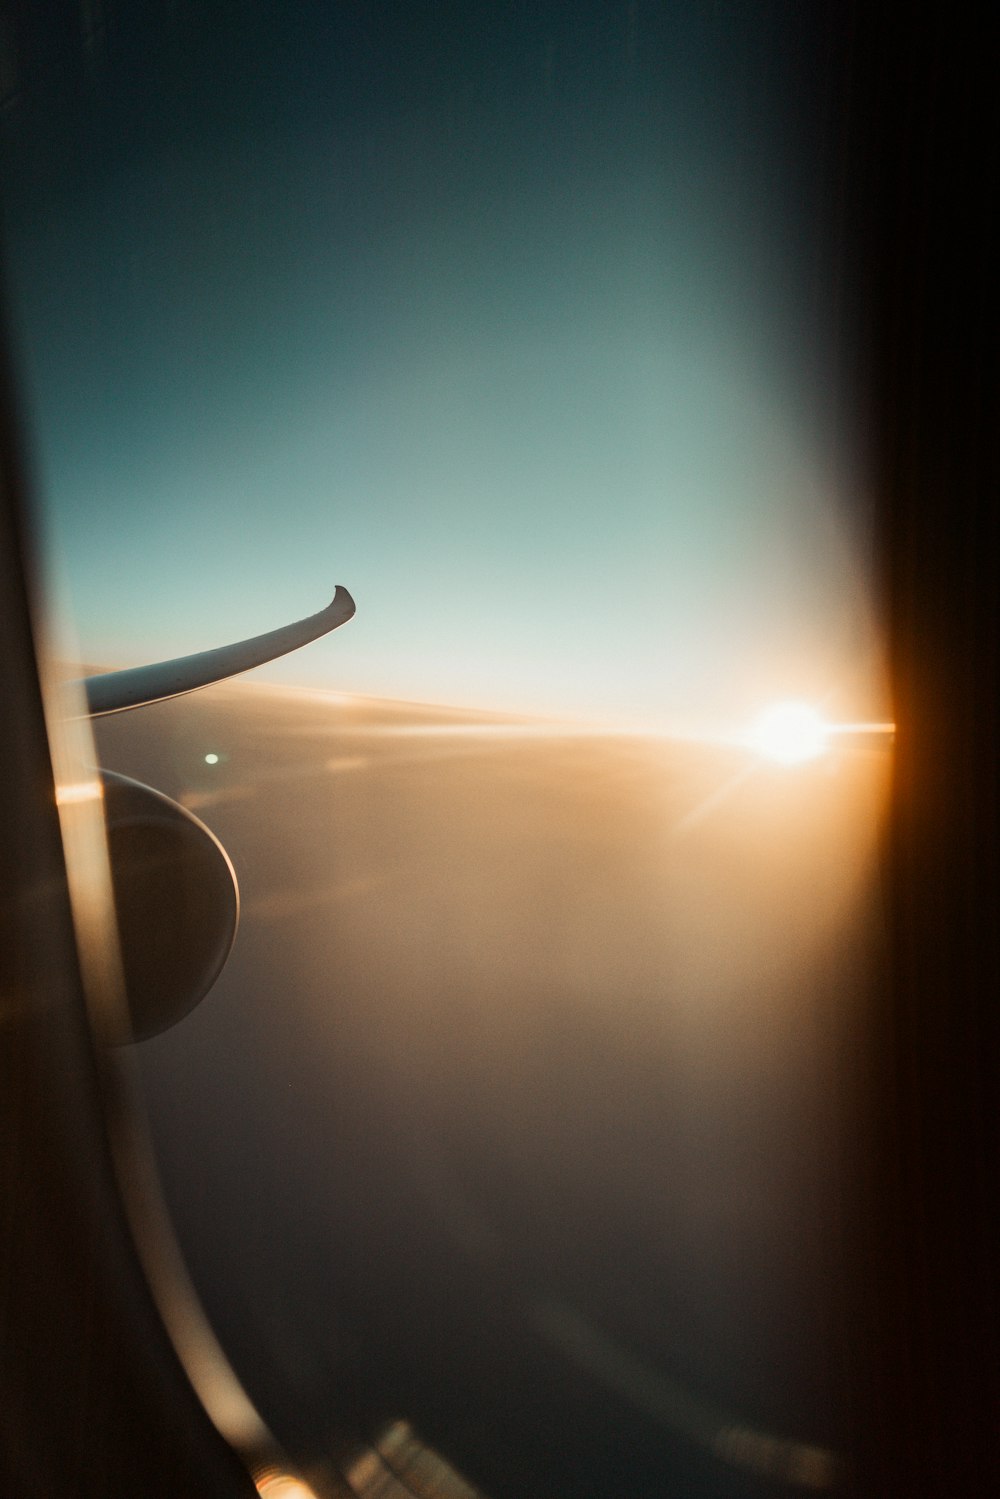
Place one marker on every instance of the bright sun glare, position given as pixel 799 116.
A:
pixel 790 733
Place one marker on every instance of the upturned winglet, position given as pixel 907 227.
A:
pixel 113 691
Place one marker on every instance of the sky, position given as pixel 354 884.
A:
pixel 521 321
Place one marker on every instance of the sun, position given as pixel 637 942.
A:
pixel 790 733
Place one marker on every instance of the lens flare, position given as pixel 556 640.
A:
pixel 275 1485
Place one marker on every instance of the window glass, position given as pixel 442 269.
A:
pixel 517 1119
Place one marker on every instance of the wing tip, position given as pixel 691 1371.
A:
pixel 343 603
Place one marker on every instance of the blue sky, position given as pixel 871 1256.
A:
pixel 517 326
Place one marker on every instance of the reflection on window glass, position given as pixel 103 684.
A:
pixel 514 1125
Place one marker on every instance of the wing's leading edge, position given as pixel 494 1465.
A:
pixel 113 691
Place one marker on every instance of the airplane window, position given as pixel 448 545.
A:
pixel 509 1146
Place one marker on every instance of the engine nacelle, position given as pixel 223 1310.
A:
pixel 176 900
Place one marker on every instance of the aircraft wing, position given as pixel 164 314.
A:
pixel 113 691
